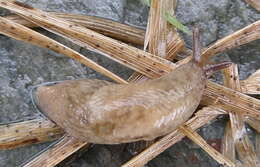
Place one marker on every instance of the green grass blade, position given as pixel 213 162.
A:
pixel 147 2
pixel 176 23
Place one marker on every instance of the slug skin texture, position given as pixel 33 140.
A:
pixel 103 112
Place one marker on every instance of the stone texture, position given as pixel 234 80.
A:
pixel 23 66
pixel 219 19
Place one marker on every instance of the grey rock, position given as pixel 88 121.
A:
pixel 23 66
pixel 219 19
pixel 112 9
pixel 135 13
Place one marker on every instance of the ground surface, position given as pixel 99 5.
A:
pixel 23 65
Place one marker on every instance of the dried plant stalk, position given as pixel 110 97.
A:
pixel 231 78
pixel 254 3
pixel 237 38
pixel 158 30
pixel 231 81
pixel 174 46
pixel 120 52
pixel 228 146
pixel 148 71
pixel 258 146
pixel 231 100
pixel 172 138
pixel 196 138
pixel 107 27
pixel 19 32
pixel 56 153
pixel 247 101
pixel 161 38
pixel 243 145
pixel 28 132
pixel 163 41
pixel 157 33
pixel 151 65
pixel 254 123
pixel 252 84
pixel 243 36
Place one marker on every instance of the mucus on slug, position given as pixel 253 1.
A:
pixel 118 113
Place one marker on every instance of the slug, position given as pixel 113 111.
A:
pixel 103 112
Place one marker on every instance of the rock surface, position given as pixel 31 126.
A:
pixel 23 66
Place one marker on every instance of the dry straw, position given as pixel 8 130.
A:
pixel 161 43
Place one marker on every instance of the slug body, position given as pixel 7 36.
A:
pixel 102 112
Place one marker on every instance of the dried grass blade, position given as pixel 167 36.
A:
pixel 231 100
pixel 56 153
pixel 230 80
pixel 19 32
pixel 157 33
pixel 154 67
pixel 170 139
pixel 28 132
pixel 231 77
pixel 158 30
pixel 228 146
pixel 254 123
pixel 240 37
pixel 174 46
pixel 162 38
pixel 240 137
pixel 106 27
pixel 243 145
pixel 252 84
pixel 258 146
pixel 127 55
pixel 196 138
pixel 254 3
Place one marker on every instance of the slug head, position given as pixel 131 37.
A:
pixel 197 57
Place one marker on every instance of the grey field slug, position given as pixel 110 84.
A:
pixel 103 112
